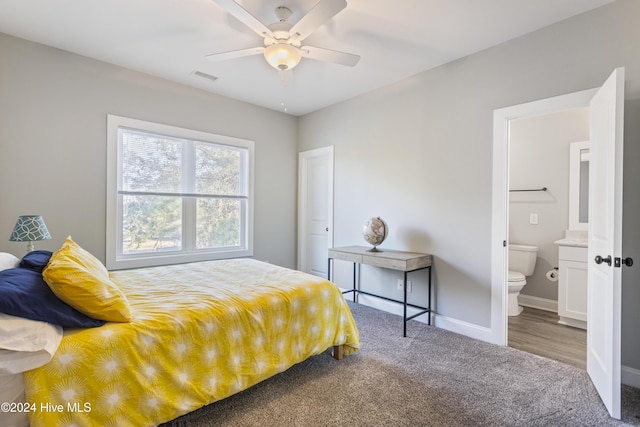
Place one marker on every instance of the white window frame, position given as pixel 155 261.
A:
pixel 115 260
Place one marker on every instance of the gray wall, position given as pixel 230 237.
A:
pixel 53 115
pixel 419 153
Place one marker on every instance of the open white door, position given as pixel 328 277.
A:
pixel 605 240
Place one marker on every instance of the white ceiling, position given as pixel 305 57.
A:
pixel 170 38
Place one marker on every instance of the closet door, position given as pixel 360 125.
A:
pixel 315 210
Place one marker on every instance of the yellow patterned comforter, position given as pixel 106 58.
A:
pixel 200 332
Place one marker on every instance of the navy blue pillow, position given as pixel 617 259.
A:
pixel 24 293
pixel 35 260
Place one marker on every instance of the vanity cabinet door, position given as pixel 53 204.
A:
pixel 572 300
pixel 572 287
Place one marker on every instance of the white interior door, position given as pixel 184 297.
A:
pixel 315 214
pixel 605 240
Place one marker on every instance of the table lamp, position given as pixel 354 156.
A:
pixel 29 228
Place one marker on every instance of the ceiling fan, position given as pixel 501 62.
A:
pixel 282 41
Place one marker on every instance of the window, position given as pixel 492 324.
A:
pixel 176 195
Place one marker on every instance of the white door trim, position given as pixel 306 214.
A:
pixel 303 199
pixel 500 195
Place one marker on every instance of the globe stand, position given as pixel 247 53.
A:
pixel 374 249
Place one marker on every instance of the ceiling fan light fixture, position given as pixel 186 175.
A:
pixel 282 56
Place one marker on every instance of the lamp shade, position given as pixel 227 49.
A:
pixel 29 228
pixel 282 56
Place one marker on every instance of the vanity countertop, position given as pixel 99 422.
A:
pixel 569 241
pixel 575 238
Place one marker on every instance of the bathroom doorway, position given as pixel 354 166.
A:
pixel 500 226
pixel 539 211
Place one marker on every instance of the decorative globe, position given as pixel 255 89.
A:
pixel 374 231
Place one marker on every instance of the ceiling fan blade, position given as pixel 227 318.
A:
pixel 242 15
pixel 320 14
pixel 223 56
pixel 328 55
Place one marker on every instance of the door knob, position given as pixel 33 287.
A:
pixel 617 262
pixel 600 260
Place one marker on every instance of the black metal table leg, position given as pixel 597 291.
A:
pixel 429 300
pixel 355 293
pixel 404 287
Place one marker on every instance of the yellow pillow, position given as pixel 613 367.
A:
pixel 79 279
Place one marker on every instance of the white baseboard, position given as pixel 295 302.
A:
pixel 464 328
pixel 581 324
pixel 630 376
pixel 539 303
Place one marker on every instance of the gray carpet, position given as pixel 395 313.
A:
pixel 431 378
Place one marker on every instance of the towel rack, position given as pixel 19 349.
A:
pixel 533 189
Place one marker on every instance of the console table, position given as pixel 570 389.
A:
pixel 394 260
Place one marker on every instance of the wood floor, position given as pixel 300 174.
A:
pixel 538 332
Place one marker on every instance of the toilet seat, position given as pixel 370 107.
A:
pixel 515 277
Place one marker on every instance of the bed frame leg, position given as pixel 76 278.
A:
pixel 338 352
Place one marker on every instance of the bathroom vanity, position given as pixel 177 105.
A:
pixel 572 250
pixel 572 281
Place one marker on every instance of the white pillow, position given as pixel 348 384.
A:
pixel 26 344
pixel 8 260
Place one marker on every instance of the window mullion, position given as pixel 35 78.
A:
pixel 189 204
pixel 119 202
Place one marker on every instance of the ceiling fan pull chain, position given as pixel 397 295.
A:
pixel 284 76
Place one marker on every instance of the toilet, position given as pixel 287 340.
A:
pixel 522 262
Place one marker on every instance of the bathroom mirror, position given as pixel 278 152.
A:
pixel 579 185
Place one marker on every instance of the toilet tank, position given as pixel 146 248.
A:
pixel 522 258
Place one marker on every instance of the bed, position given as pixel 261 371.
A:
pixel 196 333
